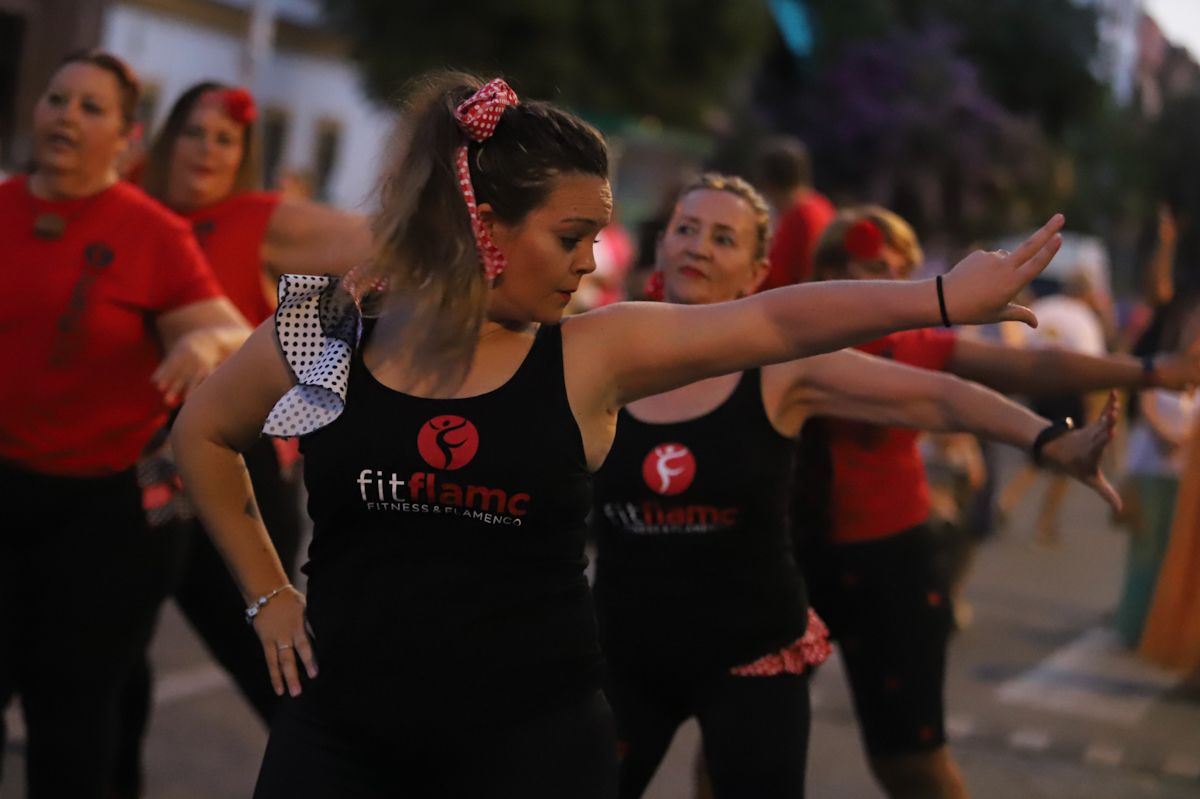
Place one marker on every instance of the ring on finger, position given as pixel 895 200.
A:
pixel 281 647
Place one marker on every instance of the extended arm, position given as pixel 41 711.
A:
pixel 307 238
pixel 854 385
pixel 640 349
pixel 1056 371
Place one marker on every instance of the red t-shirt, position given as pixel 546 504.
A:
pixel 795 237
pixel 231 235
pixel 77 326
pixel 879 485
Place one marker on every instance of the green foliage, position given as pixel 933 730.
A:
pixel 1033 56
pixel 671 59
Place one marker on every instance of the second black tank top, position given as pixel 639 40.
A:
pixel 694 558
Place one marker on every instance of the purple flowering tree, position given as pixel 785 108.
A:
pixel 902 120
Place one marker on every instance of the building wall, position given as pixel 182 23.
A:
pixel 49 30
pixel 171 52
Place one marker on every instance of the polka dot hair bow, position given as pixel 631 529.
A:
pixel 318 325
pixel 478 116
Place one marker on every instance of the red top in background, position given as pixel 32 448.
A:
pixel 795 238
pixel 879 486
pixel 77 326
pixel 231 235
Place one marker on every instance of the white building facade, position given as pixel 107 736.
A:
pixel 315 117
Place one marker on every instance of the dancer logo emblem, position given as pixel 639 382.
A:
pixel 448 442
pixel 669 469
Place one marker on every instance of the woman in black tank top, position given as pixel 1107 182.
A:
pixel 450 444
pixel 702 609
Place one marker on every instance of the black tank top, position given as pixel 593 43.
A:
pixel 448 542
pixel 694 557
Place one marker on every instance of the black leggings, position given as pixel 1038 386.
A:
pixel 81 580
pixel 211 602
pixel 569 751
pixel 755 729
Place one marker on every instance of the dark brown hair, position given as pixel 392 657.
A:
pixel 158 157
pixel 783 164
pixel 739 187
pixel 129 88
pixel 425 247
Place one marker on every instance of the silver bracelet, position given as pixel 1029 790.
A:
pixel 253 610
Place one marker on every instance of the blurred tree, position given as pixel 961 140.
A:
pixel 1175 143
pixel 966 116
pixel 902 119
pixel 1034 58
pixel 672 59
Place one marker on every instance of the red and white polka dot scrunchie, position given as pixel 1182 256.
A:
pixel 478 116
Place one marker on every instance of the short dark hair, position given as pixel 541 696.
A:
pixel 783 164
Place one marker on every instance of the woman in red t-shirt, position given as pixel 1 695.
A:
pixel 205 165
pixel 109 317
pixel 867 486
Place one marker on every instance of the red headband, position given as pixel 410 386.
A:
pixel 238 103
pixel 478 116
pixel 864 241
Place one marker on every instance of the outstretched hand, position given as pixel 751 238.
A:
pixel 980 289
pixel 1078 453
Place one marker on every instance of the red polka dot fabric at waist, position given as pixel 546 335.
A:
pixel 809 650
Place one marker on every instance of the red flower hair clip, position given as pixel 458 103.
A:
pixel 864 241
pixel 238 103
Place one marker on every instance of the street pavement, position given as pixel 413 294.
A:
pixel 1042 702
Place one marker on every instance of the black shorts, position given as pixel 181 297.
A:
pixel 887 605
pixel 754 729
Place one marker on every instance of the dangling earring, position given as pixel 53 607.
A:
pixel 654 288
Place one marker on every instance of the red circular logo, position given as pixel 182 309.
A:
pixel 669 469
pixel 448 442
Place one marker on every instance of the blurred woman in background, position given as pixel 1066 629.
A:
pixel 110 318
pixel 205 165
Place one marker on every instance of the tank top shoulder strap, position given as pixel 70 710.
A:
pixel 541 379
pixel 543 365
pixel 747 405
pixel 746 398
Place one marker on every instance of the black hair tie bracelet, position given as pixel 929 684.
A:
pixel 1048 434
pixel 942 302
